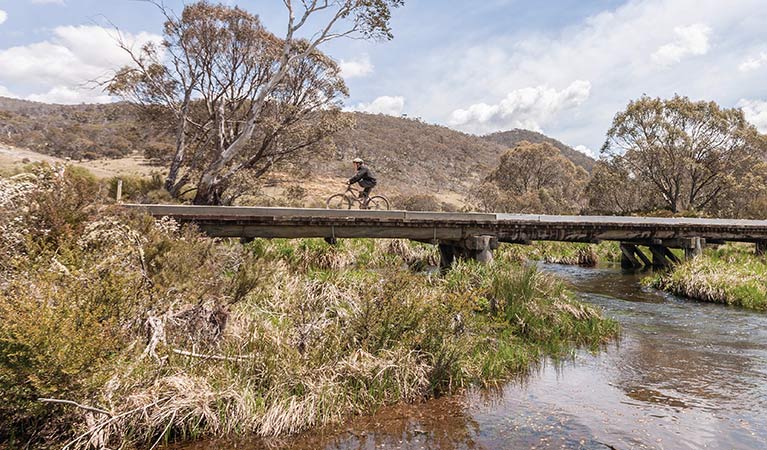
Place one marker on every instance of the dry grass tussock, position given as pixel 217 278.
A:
pixel 733 279
pixel 415 256
pixel 160 334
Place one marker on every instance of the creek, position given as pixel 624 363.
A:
pixel 683 375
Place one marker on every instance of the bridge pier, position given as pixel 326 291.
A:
pixel 760 248
pixel 660 250
pixel 478 248
pixel 662 257
pixel 629 254
pixel 695 248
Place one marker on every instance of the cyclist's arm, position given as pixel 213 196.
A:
pixel 360 173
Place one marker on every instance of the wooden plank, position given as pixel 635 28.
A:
pixel 301 222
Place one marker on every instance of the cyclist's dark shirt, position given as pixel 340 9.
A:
pixel 364 176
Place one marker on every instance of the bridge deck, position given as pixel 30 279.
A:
pixel 250 222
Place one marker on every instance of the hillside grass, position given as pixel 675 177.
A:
pixel 731 275
pixel 167 335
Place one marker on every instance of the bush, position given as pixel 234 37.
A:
pixel 417 202
pixel 139 189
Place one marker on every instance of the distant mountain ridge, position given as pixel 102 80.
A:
pixel 408 155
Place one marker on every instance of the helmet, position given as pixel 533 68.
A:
pixel 358 160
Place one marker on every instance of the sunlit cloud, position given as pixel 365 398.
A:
pixel 692 40
pixel 528 108
pixel 392 106
pixel 755 112
pixel 356 68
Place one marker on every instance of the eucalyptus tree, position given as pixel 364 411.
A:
pixel 612 189
pixel 533 178
pixel 241 98
pixel 689 154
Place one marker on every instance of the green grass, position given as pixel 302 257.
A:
pixel 731 275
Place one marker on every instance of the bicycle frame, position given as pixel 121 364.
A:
pixel 351 196
pixel 355 194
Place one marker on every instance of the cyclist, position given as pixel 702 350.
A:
pixel 365 178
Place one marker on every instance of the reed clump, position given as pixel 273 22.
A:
pixel 731 275
pixel 158 334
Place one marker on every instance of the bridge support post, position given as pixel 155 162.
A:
pixel 629 254
pixel 760 248
pixel 446 256
pixel 478 248
pixel 695 248
pixel 662 256
pixel 628 260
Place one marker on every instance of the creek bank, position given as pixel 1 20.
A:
pixel 170 336
pixel 731 275
pixel 684 375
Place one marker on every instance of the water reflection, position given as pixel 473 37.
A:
pixel 684 375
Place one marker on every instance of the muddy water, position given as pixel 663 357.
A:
pixel 684 375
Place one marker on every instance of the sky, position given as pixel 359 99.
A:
pixel 561 67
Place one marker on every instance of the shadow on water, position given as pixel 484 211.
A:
pixel 684 375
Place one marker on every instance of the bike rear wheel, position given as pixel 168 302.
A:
pixel 338 201
pixel 378 202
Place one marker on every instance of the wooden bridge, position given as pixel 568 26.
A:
pixel 472 235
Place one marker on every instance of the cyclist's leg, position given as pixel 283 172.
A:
pixel 366 195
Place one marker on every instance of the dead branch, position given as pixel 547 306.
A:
pixel 214 357
pixel 70 402
pixel 101 425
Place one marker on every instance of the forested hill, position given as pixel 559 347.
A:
pixel 513 137
pixel 77 131
pixel 409 156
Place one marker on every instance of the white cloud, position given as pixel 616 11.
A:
pixel 756 112
pixel 611 49
pixel 392 106
pixel 691 40
pixel 63 65
pixel 67 96
pixel 355 69
pixel 753 62
pixel 529 108
pixel 586 151
pixel 48 2
pixel 3 16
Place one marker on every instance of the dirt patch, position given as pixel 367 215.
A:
pixel 13 157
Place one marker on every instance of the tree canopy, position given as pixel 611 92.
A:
pixel 242 99
pixel 688 154
pixel 533 178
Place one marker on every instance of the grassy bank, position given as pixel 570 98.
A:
pixel 732 275
pixel 157 333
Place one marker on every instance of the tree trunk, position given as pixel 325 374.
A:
pixel 178 157
pixel 210 195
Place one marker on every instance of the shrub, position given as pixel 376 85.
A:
pixel 417 202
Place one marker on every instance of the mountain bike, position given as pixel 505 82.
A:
pixel 351 196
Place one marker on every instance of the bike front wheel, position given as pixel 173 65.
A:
pixel 378 202
pixel 338 201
